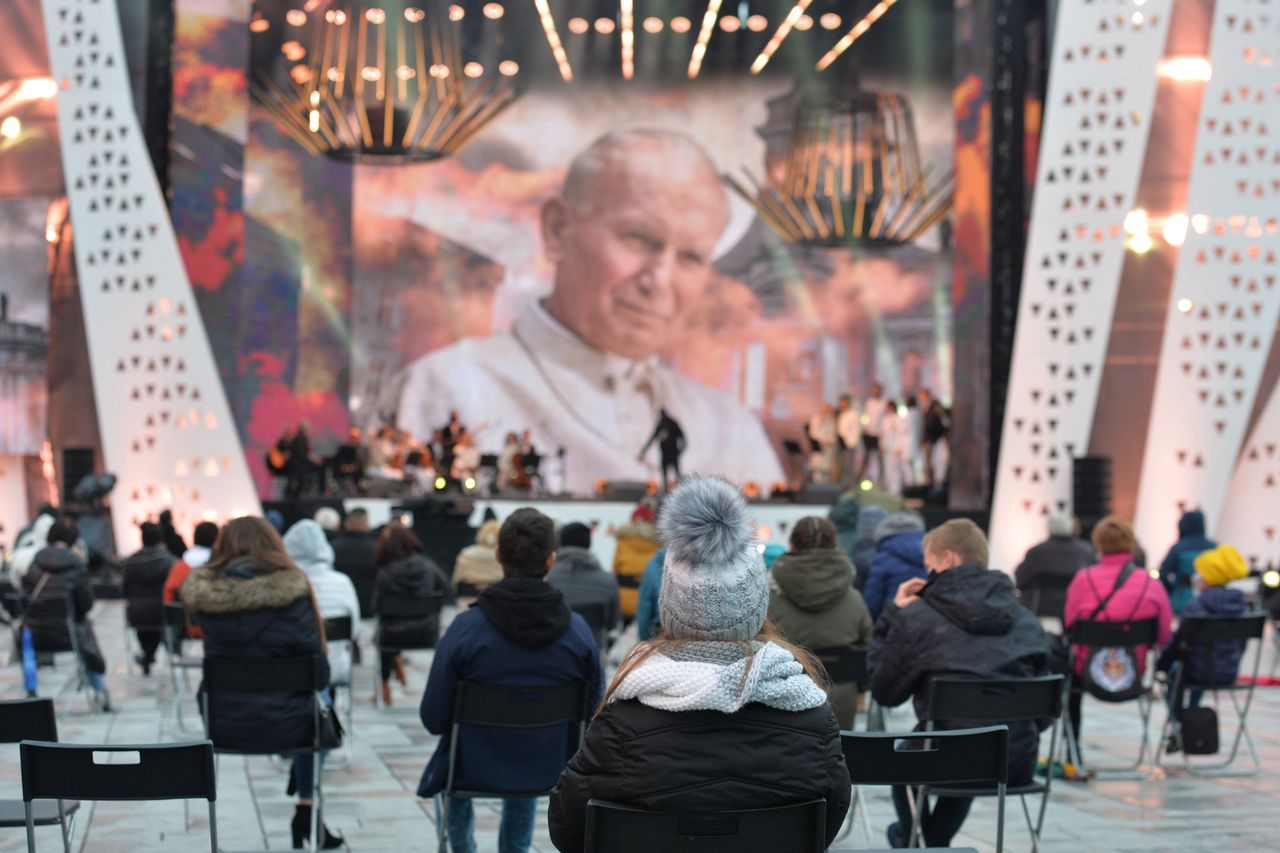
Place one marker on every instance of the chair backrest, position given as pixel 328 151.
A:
pixel 399 608
pixel 168 771
pixel 845 666
pixel 800 828
pixel 995 700
pixel 520 707
pixel 337 629
pixel 262 675
pixel 1200 630
pixel 28 719
pixel 592 614
pixel 51 609
pixel 466 589
pixel 1095 634
pixel 933 758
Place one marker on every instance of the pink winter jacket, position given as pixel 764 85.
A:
pixel 1141 597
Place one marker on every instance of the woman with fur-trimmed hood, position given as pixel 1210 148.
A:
pixel 252 602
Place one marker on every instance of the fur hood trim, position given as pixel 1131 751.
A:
pixel 238 592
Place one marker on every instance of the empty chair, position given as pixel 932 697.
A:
pixel 170 771
pixel 1198 637
pixel 594 616
pixel 612 828
pixel 534 707
pixel 1026 701
pixel 977 756
pixel 34 719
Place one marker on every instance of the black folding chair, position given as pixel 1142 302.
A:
pixel 267 675
pixel 180 663
pixel 593 615
pixel 1199 636
pixel 466 589
pixel 34 719
pixel 956 757
pixel 49 609
pixel 396 608
pixel 986 701
pixel 612 828
pixel 168 771
pixel 530 707
pixel 1037 600
pixel 848 665
pixel 339 630
pixel 1092 635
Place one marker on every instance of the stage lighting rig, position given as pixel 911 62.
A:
pixel 380 81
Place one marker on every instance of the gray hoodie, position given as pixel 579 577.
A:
pixel 580 578
pixel 309 548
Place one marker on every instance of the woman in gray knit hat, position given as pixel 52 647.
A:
pixel 717 712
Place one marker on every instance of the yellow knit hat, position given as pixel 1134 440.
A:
pixel 1222 565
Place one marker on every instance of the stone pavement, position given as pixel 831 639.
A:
pixel 371 801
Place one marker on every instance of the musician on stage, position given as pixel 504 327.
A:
pixel 299 466
pixel 670 439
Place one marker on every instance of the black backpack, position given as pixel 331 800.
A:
pixel 1114 673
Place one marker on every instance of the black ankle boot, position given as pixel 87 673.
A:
pixel 302 831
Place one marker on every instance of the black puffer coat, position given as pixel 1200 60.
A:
pixel 68 575
pixel 410 581
pixel 701 761
pixel 144 573
pixel 967 623
pixel 247 614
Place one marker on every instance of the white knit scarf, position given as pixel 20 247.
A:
pixel 713 676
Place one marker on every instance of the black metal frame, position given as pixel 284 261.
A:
pixel 35 719
pixel 706 832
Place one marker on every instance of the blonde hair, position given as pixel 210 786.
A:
pixel 961 536
pixel 488 534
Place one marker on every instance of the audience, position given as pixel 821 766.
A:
pixel 580 577
pixel 899 557
pixel 252 602
pixel 647 600
pixel 329 519
pixel 813 604
pixel 1045 572
pixel 1114 590
pixel 144 575
pixel 406 575
pixel 520 632
pixel 1178 567
pixel 682 727
pixel 637 543
pixel 58 570
pixel 30 541
pixel 864 549
pixel 1220 665
pixel 477 565
pixel 844 515
pixel 353 556
pixel 172 540
pixel 309 548
pixel 964 620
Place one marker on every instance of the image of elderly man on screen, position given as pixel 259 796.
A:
pixel 630 236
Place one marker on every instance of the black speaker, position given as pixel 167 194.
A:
pixel 627 491
pixel 77 463
pixel 825 494
pixel 1091 487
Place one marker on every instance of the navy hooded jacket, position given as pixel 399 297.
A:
pixel 898 559
pixel 519 633
pixel 1223 664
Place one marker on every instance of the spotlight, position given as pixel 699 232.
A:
pixel 375 16
pixel 1186 306
pixel 829 21
pixel 469 483
pixel 494 11
pixel 1185 68
pixel 804 22
pixel 653 25
pixel 1175 229
pixel 1271 578
pixel 457 13
pixel 757 23
pixel 680 24
pixel 604 26
pixel 866 485
pixel 441 482
pixel 296 17
pixel 578 26
pixel 38 88
pixel 730 23
pixel 508 68
pixel 1135 221
pixel 10 128
pixel 1141 243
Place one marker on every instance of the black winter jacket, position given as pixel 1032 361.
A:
pixel 353 556
pixel 409 581
pixel 246 614
pixel 144 575
pixel 967 623
pixel 68 575
pixel 701 761
pixel 1049 568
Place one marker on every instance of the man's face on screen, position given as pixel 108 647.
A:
pixel 634 256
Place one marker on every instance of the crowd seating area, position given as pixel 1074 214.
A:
pixel 369 788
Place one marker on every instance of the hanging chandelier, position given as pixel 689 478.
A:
pixel 379 81
pixel 843 168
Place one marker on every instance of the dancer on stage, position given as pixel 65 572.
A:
pixel 670 439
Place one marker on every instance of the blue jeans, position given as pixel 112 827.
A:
pixel 96 680
pixel 515 832
pixel 304 762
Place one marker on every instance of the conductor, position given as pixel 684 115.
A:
pixel 670 440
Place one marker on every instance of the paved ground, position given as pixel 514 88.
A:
pixel 371 801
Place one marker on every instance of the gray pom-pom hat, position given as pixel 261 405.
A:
pixel 714 582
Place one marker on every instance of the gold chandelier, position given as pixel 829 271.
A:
pixel 850 172
pixel 378 80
